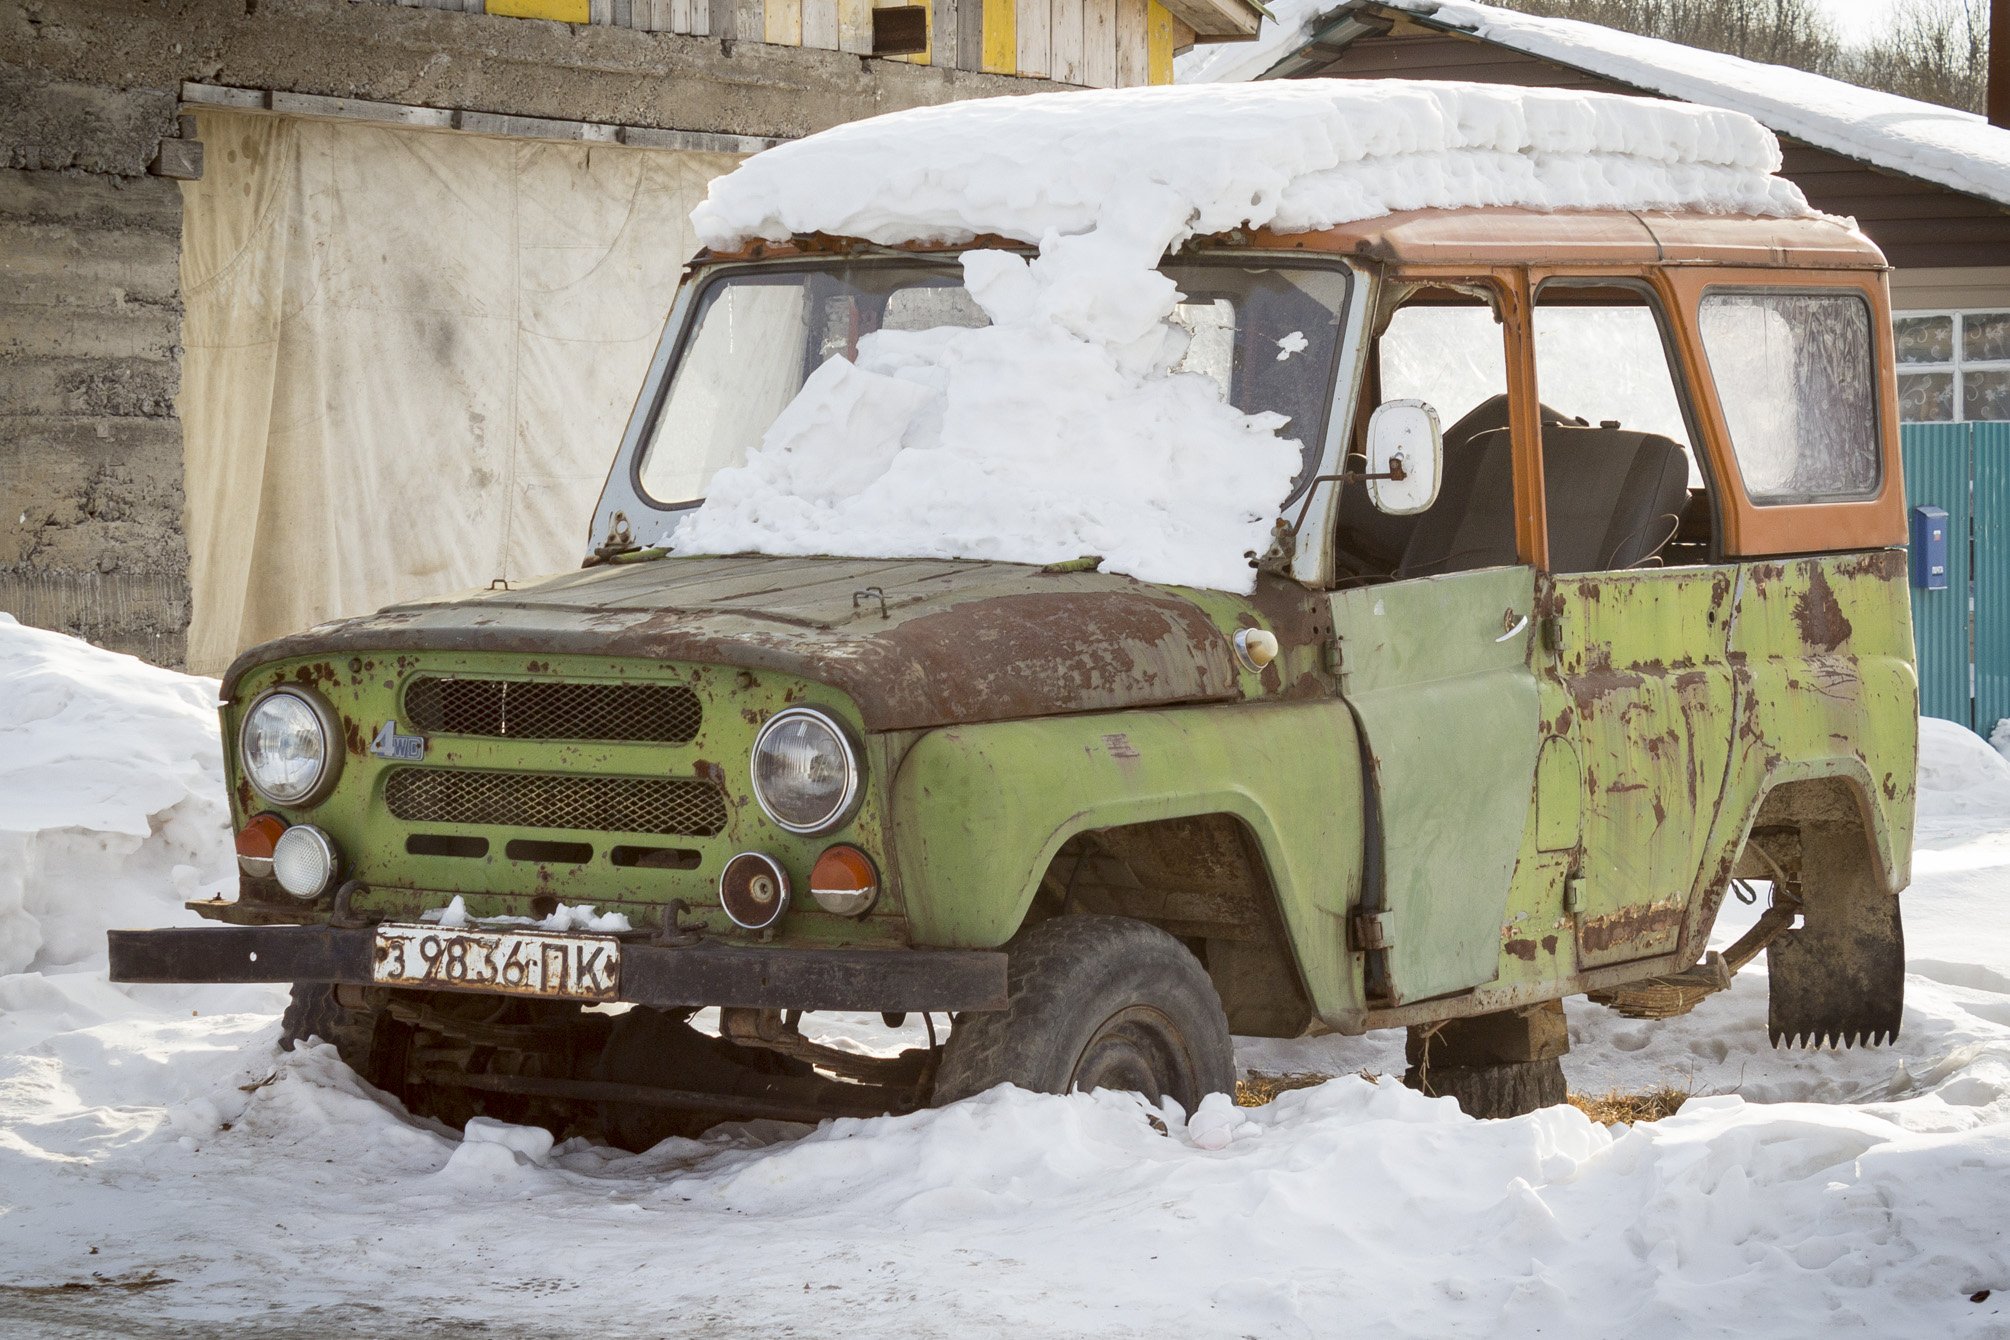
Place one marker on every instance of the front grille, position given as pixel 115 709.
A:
pixel 687 808
pixel 537 709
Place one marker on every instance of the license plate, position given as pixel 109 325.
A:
pixel 516 963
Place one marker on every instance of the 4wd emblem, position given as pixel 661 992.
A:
pixel 389 744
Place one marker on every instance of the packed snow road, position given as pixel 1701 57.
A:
pixel 165 1170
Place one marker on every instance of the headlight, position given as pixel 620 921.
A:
pixel 805 771
pixel 290 747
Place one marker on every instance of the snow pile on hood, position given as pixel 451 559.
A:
pixel 1062 429
pixel 112 805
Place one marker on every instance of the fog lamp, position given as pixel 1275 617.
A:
pixel 304 861
pixel 754 890
pixel 844 881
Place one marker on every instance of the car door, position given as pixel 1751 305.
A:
pixel 1437 672
pixel 1436 662
pixel 1636 602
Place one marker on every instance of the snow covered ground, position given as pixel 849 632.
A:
pixel 164 1170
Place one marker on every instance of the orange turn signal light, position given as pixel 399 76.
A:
pixel 255 842
pixel 844 881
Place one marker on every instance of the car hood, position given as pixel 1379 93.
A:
pixel 914 643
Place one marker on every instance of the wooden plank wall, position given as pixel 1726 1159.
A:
pixel 1096 43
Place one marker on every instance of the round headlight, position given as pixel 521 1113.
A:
pixel 304 861
pixel 806 772
pixel 289 747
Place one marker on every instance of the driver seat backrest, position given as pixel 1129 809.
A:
pixel 1613 498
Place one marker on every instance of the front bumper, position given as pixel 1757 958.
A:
pixel 886 980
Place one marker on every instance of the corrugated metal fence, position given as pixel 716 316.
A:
pixel 1962 634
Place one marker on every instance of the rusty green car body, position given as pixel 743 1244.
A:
pixel 1451 795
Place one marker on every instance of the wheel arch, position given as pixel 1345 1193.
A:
pixel 1790 796
pixel 984 817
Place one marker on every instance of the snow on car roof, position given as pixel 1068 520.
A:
pixel 1300 155
pixel 1065 426
pixel 1953 148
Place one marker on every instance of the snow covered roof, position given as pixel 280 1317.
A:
pixel 1064 426
pixel 1294 155
pixel 1950 148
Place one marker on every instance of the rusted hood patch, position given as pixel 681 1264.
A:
pixel 914 644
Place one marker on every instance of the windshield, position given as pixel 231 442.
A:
pixel 1265 335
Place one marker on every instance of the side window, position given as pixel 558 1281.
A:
pixel 1799 389
pixel 1622 487
pixel 1447 349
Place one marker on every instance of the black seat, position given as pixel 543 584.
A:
pixel 1383 539
pixel 1614 498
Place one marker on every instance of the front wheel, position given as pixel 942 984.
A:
pixel 1096 1002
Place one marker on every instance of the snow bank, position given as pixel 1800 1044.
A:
pixel 1957 149
pixel 1062 429
pixel 1959 774
pixel 112 805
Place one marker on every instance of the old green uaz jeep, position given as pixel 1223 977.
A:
pixel 1587 608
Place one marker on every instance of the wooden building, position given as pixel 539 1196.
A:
pixel 1931 186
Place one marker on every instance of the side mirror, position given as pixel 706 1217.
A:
pixel 1406 457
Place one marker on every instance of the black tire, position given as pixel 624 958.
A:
pixel 1096 1002
pixel 358 1035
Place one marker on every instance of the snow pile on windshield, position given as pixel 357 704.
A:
pixel 112 802
pixel 1062 429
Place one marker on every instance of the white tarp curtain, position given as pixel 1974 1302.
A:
pixel 408 358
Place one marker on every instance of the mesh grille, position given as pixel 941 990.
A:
pixel 539 800
pixel 527 709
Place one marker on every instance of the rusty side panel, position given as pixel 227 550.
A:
pixel 1639 655
pixel 1822 653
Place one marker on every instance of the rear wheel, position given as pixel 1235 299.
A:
pixel 1096 1002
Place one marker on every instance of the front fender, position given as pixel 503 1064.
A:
pixel 979 811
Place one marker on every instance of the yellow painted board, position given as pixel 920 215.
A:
pixel 1158 44
pixel 559 11
pixel 1001 36
pixel 1131 63
pixel 782 23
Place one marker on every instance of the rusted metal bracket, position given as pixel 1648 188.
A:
pixel 1374 930
pixel 772 1030
pixel 1674 993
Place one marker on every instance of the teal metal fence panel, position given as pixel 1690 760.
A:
pixel 1937 472
pixel 1990 454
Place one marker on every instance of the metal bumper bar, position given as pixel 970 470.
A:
pixel 890 980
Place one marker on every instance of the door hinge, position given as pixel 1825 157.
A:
pixel 1552 634
pixel 1374 930
pixel 1333 658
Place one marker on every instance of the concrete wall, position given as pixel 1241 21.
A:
pixel 91 500
pixel 90 328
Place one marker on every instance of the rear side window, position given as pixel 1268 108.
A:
pixel 1799 389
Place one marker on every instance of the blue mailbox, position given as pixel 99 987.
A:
pixel 1929 548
